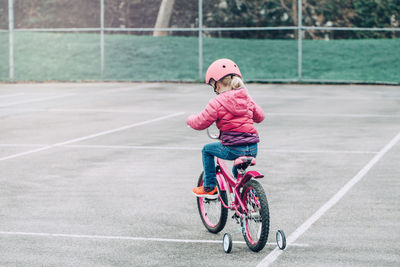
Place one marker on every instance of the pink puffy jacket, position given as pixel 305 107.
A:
pixel 233 111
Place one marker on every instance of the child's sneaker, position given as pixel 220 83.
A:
pixel 202 191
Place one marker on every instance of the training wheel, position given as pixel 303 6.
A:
pixel 227 243
pixel 281 239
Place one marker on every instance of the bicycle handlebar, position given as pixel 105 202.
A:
pixel 212 136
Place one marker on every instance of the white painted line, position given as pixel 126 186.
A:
pixel 78 110
pixel 200 147
pixel 136 147
pixel 338 115
pixel 271 257
pixel 293 151
pixel 90 136
pixel 34 100
pixel 277 114
pixel 25 153
pixel 132 238
pixel 281 151
pixel 82 110
pixel 378 97
pixel 22 145
pixel 11 95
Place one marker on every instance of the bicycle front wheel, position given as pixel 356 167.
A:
pixel 257 217
pixel 212 213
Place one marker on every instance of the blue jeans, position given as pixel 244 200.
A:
pixel 224 152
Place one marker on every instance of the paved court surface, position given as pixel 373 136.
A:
pixel 101 175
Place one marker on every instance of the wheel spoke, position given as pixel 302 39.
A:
pixel 254 219
pixel 212 210
pixel 213 214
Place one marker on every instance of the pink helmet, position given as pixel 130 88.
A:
pixel 221 68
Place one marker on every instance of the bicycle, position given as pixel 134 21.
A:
pixel 247 199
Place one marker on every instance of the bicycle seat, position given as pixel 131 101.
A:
pixel 244 162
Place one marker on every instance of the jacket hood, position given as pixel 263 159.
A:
pixel 235 101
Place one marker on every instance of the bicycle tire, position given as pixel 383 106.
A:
pixel 255 199
pixel 217 223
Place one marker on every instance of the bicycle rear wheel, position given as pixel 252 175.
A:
pixel 257 217
pixel 212 213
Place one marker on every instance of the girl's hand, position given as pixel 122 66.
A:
pixel 189 119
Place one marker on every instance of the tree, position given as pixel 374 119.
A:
pixel 240 13
pixel 217 13
pixel 376 13
pixel 164 16
pixel 3 15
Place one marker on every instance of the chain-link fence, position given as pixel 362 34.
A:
pixel 87 42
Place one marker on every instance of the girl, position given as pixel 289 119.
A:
pixel 234 112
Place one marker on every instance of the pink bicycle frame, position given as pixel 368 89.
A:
pixel 227 183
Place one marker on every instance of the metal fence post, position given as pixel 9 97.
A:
pixel 200 39
pixel 11 38
pixel 299 40
pixel 102 37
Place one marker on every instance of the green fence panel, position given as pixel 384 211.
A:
pixel 46 56
pixel 147 58
pixel 258 59
pixel 365 60
pixel 4 55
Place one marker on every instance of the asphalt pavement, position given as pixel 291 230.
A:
pixel 100 174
